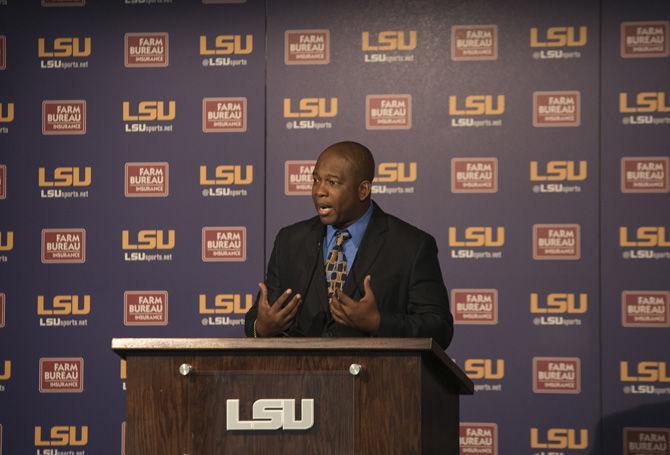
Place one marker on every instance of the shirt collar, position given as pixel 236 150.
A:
pixel 356 229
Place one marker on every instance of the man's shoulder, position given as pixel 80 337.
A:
pixel 408 231
pixel 301 228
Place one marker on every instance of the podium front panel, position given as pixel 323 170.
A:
pixel 262 412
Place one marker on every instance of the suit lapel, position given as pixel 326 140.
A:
pixel 371 245
pixel 312 274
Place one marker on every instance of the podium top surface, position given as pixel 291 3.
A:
pixel 125 346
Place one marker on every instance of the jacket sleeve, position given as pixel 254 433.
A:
pixel 428 314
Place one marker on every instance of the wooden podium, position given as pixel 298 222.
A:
pixel 188 396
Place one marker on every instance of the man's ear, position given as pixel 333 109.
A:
pixel 364 189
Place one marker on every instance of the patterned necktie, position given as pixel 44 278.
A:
pixel 336 264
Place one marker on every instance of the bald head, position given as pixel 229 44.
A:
pixel 358 155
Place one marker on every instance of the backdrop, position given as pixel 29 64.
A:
pixel 150 150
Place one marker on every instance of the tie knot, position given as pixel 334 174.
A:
pixel 341 237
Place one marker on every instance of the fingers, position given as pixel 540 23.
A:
pixel 339 310
pixel 291 307
pixel 343 298
pixel 367 286
pixel 279 303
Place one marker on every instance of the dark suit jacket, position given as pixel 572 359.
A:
pixel 405 277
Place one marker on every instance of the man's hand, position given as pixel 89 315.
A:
pixel 362 315
pixel 272 320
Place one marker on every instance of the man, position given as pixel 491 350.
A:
pixel 352 270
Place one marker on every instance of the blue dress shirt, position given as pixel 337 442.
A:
pixel 356 230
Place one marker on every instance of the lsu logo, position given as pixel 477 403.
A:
pixel 61 436
pixel 485 369
pixel 558 171
pixel 6 241
pixel 475 236
pixel 392 172
pixel 6 373
pixel 65 177
pixel 6 112
pixel 389 40
pixel 559 303
pixel 559 438
pixel 559 37
pixel 64 305
pixel 63 47
pixel 644 102
pixel 147 111
pixel 148 239
pixel 645 236
pixel 237 304
pixel 645 371
pixel 475 105
pixel 228 45
pixel 311 108
pixel 227 174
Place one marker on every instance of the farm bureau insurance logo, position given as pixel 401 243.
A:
pixel 559 439
pixel 61 436
pixel 466 112
pixel 63 52
pixel 224 309
pixel 6 116
pixel 467 243
pixel 644 108
pixel 63 117
pixel 224 115
pixel 395 178
pixel 298 177
pixel 474 306
pixel 474 175
pixel 556 242
pixel 147 179
pixel 388 46
pixel 63 246
pixel 646 441
pixel 553 43
pixel 307 47
pixel 3 181
pixel 3 52
pixel 645 308
pixel 644 242
pixel 146 50
pixel 388 112
pixel 221 50
pixel 557 375
pixel 645 39
pixel 485 373
pixel 64 310
pixel 148 245
pixel 645 174
pixel 64 182
pixel 555 176
pixel 558 308
pixel 224 244
pixel 308 110
pixel 149 116
pixel 648 377
pixel 225 180
pixel 478 438
pixel 474 42
pixel 556 109
pixel 145 308
pixel 61 375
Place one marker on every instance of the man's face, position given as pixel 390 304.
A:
pixel 335 190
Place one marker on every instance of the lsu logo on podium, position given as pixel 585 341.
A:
pixel 474 42
pixel 559 438
pixel 311 108
pixel 64 305
pixel 554 37
pixel 6 112
pixel 487 369
pixel 64 47
pixel 645 39
pixel 298 177
pixel 61 436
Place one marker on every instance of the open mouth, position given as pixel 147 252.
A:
pixel 324 209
